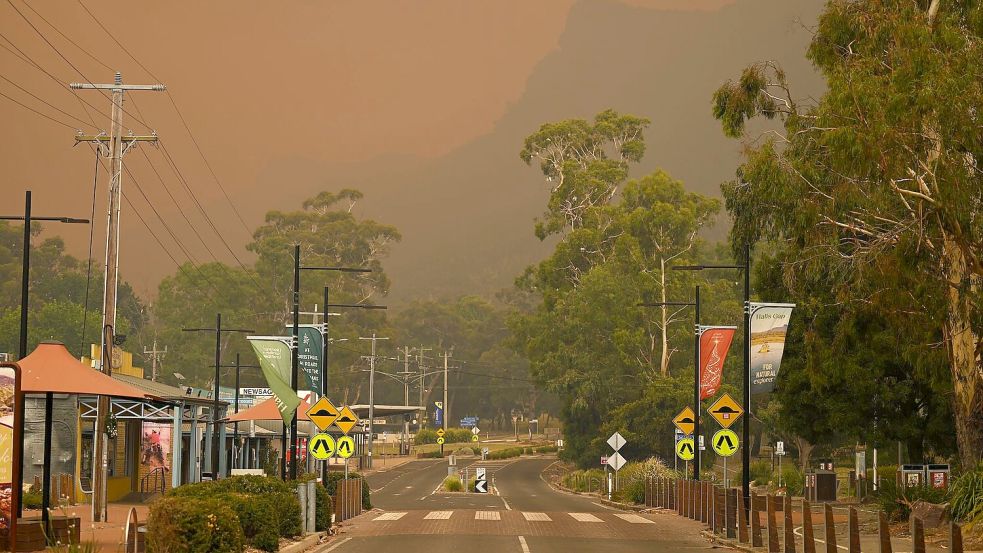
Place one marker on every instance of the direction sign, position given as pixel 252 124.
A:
pixel 780 448
pixel 616 461
pixel 685 449
pixel 616 441
pixel 479 473
pixel 725 442
pixel 323 413
pixel 346 447
pixel 726 411
pixel 481 486
pixel 475 430
pixel 347 419
pixel 440 440
pixel 685 421
pixel 321 446
pixel 474 438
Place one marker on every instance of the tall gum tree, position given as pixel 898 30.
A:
pixel 882 172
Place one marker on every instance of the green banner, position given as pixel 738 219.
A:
pixel 310 357
pixel 274 358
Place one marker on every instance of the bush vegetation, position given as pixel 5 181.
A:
pixel 332 486
pixel 193 525
pixel 966 495
pixel 507 453
pixel 452 436
pixel 453 484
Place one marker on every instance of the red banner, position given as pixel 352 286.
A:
pixel 714 343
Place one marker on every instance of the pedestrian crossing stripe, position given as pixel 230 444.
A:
pixel 585 517
pixel 438 515
pixel 487 515
pixel 389 516
pixel 537 517
pixel 634 519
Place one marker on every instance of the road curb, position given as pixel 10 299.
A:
pixel 614 504
pixel 733 544
pixel 304 544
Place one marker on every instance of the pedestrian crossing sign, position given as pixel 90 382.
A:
pixel 685 449
pixel 321 446
pixel 725 442
pixel 346 447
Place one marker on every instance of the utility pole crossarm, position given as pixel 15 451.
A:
pixel 117 86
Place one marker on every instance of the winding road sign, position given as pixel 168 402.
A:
pixel 725 442
pixel 685 421
pixel 321 446
pixel 685 449
pixel 726 411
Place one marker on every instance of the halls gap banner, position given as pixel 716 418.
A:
pixel 769 324
pixel 274 358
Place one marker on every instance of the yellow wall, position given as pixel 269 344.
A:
pixel 123 361
pixel 118 487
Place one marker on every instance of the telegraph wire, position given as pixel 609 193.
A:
pixel 88 260
pixel 43 101
pixel 48 117
pixel 66 37
pixel 180 115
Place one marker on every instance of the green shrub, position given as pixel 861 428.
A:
pixel 332 486
pixel 453 484
pixel 547 449
pixel 507 453
pixel 793 480
pixel 322 514
pixel 425 436
pixel 192 525
pixel 965 495
pixel 436 454
pixel 31 500
pixel 761 472
pixel 896 502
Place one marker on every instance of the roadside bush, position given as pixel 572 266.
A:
pixel 584 480
pixel 965 495
pixel 457 435
pixel 192 525
pixel 761 472
pixel 453 484
pixel 31 500
pixel 507 453
pixel 332 486
pixel 896 502
pixel 430 455
pixel 425 436
pixel 547 449
pixel 793 480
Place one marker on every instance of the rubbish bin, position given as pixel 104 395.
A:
pixel 911 476
pixel 938 476
pixel 824 486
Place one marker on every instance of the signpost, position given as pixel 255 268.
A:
pixel 474 433
pixel 480 480
pixel 780 451
pixel 685 449
pixel 321 446
pixel 615 461
pixel 347 419
pixel 685 421
pixel 726 411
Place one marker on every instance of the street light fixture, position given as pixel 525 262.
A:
pixel 746 433
pixel 22 352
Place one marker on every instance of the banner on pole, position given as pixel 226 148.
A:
pixel 310 357
pixel 274 358
pixel 769 324
pixel 714 343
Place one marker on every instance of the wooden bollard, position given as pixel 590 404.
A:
pixel 830 529
pixel 808 537
pixel 707 501
pixel 773 546
pixel 756 540
pixel 787 526
pixel 883 533
pixel 742 516
pixel 701 512
pixel 730 514
pixel 955 538
pixel 917 535
pixel 679 497
pixel 854 532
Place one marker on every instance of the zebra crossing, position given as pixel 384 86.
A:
pixel 528 516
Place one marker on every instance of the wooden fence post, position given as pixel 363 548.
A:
pixel 730 516
pixel 955 538
pixel 773 546
pixel 756 540
pixel 787 526
pixel 829 529
pixel 854 532
pixel 808 537
pixel 917 535
pixel 883 533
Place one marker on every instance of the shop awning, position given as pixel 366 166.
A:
pixel 267 411
pixel 50 368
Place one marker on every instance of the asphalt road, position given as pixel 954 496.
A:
pixel 525 516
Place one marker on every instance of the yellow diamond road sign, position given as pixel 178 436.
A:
pixel 347 419
pixel 323 413
pixel 725 442
pixel 440 432
pixel 685 421
pixel 685 449
pixel 321 446
pixel 726 411
pixel 346 447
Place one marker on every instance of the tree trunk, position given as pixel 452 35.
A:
pixel 964 357
pixel 664 364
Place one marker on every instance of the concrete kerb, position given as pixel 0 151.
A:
pixel 309 541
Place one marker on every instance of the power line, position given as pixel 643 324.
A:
pixel 180 115
pixel 66 37
pixel 48 117
pixel 43 101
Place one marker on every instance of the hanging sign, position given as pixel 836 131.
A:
pixel 714 343
pixel 275 360
pixel 310 356
pixel 769 325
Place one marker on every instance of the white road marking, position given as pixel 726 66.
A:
pixel 584 517
pixel 389 516
pixel 507 506
pixel 336 546
pixel 438 515
pixel 603 506
pixel 797 533
pixel 633 518
pixel 487 515
pixel 523 544
pixel 537 517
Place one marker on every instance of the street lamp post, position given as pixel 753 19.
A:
pixel 22 353
pixel 696 375
pixel 746 431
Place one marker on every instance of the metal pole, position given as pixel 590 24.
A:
pixel 406 397
pixel 324 375
pixel 746 450
pixel 443 418
pixel 696 390
pixel 371 403
pixel 215 400
pixel 235 427
pixel 294 362
pixel 22 353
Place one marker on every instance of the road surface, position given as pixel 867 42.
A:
pixel 526 515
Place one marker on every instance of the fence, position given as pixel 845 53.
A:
pixel 726 513
pixel 348 499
